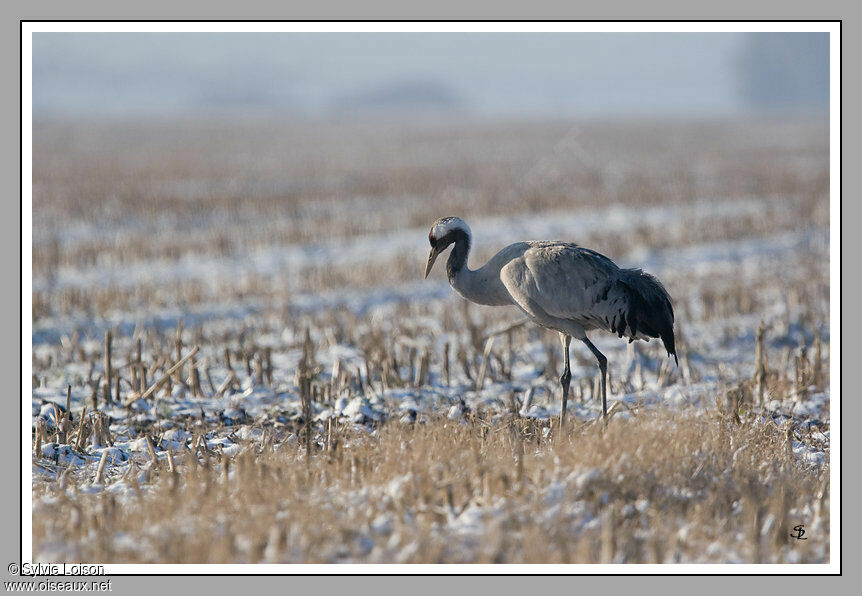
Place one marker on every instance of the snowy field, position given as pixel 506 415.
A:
pixel 256 371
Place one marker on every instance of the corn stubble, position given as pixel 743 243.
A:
pixel 717 482
pixel 662 488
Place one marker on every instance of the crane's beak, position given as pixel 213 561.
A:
pixel 431 258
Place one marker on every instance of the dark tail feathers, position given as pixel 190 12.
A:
pixel 650 309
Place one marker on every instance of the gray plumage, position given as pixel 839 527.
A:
pixel 561 286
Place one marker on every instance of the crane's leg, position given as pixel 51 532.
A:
pixel 567 376
pixel 603 366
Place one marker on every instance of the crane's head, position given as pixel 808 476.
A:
pixel 444 232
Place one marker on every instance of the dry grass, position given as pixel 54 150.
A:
pixel 686 486
pixel 187 188
pixel 208 192
pixel 717 483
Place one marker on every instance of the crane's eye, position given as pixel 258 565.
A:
pixel 432 240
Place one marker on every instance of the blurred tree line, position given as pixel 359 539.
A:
pixel 785 70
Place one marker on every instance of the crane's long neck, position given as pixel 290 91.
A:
pixel 482 286
pixel 456 266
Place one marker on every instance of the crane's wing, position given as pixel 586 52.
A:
pixel 569 282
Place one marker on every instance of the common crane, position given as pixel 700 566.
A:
pixel 563 287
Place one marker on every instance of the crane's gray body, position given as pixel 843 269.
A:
pixel 571 289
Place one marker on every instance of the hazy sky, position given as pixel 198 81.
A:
pixel 492 74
